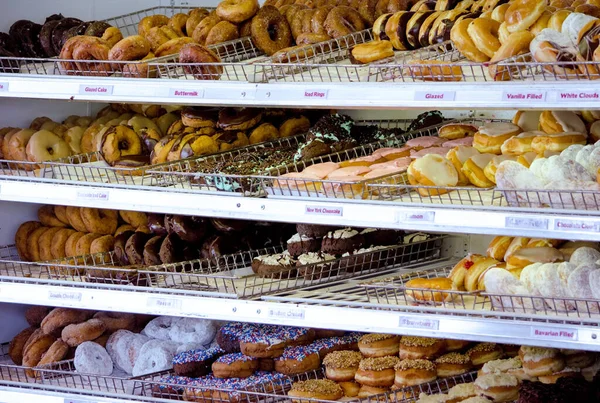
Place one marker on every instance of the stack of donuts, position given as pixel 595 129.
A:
pixel 387 362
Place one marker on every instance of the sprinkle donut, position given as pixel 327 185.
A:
pixel 236 365
pixel 91 358
pixel 297 359
pixel 195 363
pixel 228 336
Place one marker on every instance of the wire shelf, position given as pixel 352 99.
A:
pixel 231 276
pixel 128 23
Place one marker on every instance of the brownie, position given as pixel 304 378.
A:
pixel 299 244
pixel 364 259
pixel 314 266
pixel 341 241
pixel 313 230
pixel 279 266
pixel 377 237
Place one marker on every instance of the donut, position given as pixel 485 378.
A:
pixel 195 363
pixel 134 47
pixel 341 365
pixel 452 364
pixel 297 360
pixel 498 387
pixel 223 31
pixel 187 228
pixel 318 19
pixel 57 352
pixel 17 345
pixel 58 318
pixel 134 218
pixel 84 244
pixel 203 28
pixel 237 11
pixel 322 389
pixel 540 361
pixel 150 22
pixel 33 247
pixel 37 344
pixel 75 334
pixel 48 218
pixel 35 314
pixel 124 348
pixel 86 51
pixel 17 148
pixel 267 20
pixel 484 34
pixel 262 133
pixel 178 23
pixel 377 372
pixel 154 356
pixel 484 352
pixel 71 243
pixel 235 365
pixel 100 221
pixel 195 53
pixel 92 359
pixel 45 243
pixel 193 330
pixel 420 347
pixel 22 236
pixel 102 244
pixel 112 36
pixel 516 44
pixel 342 21
pixel 414 372
pixel 521 14
pixel 379 345
pixel 158 328
pixel 195 16
pixel 59 242
pixel 114 321
pixel 119 142
pixel 238 119
pixel 134 247
pixel 552 46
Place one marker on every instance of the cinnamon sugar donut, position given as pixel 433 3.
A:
pixel 102 244
pixel 48 218
pixel 343 21
pixel 223 31
pixel 84 244
pixel 58 318
pixel 74 216
pixel 203 28
pixel 17 345
pixel 59 242
pixel 100 221
pixel 21 237
pixel 45 243
pixel 269 19
pixel 71 244
pixel 33 247
pixel 75 334
pixel 114 321
pixel 35 348
pixel 61 213
pixel 318 19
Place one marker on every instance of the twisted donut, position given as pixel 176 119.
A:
pixel 269 19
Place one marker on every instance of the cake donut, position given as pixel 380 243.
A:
pixel 17 345
pixel 236 365
pixel 75 334
pixel 330 344
pixel 297 360
pixel 228 336
pixel 99 221
pixel 91 358
pixel 379 345
pixel 196 363
pixel 59 318
pixel 412 347
pixel 263 342
pixel 57 352
pixel 114 321
pixel 341 366
pixel 452 364
pixel 414 372
pixel 270 31
pixel 153 356
pixel 159 328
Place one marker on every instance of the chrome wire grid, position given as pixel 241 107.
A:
pixel 128 23
pixel 231 276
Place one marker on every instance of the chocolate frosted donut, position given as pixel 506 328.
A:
pixel 171 249
pixel 97 28
pixel 152 251
pixel 119 248
pixel 54 17
pixel 46 37
pixel 239 118
pixel 134 248
pixel 156 224
pixel 58 31
pixel 200 117
pixel 189 229
pixel 28 34
pixel 8 44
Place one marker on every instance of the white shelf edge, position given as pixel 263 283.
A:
pixel 461 95
pixel 329 317
pixel 340 212
pixel 23 393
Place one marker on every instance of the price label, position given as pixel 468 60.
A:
pixel 316 94
pixel 96 89
pixel 3 87
pixel 430 324
pixel 435 96
pixel 179 93
pixel 164 303
pixel 523 96
pixel 281 313
pixel 569 96
pixel 92 195
pixel 64 296
pixel 562 224
pixel 424 216
pixel 327 211
pixel 526 223
pixel 548 333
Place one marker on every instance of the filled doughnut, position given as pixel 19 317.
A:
pixel 452 364
pixel 414 372
pixel 377 372
pixel 342 365
pixel 379 345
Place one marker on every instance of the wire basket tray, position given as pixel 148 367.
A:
pixel 128 23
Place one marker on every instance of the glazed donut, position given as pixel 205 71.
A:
pixel 516 44
pixel 103 244
pixel 466 44
pixel 134 47
pixel 91 358
pixel 112 36
pixel 491 136
pixel 540 24
pixel 366 9
pixel 556 20
pixel 178 23
pixel 75 334
pixel 17 148
pixel 484 34
pixel 378 372
pixel 45 243
pixel 269 19
pixel 84 244
pixel 414 372
pixel 114 321
pixel 311 39
pixel 46 146
pixel 195 53
pixel 235 365
pixel 473 170
pixel 318 19
pixel 458 156
pixel 203 28
pixel 302 22
pixel 74 216
pixel 237 11
pixel 119 142
pixel 323 389
pixel 223 31
pixel 192 22
pixel 150 22
pixel 262 133
pixel 342 365
pixel 173 46
pixel 370 52
pixel 239 118
pixel 48 218
pixel 88 50
pixel 17 345
pixel 379 345
pixel 57 352
pixel 294 126
pixel 343 21
pixel 33 247
pixel 59 242
pixel 157 36
pixel 58 318
pixel 100 221
pixel 134 218
pixel 21 237
pixel 521 14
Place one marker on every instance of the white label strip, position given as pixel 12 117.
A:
pixel 3 86
pixel 280 313
pixel 229 93
pixel 328 211
pixel 164 303
pixel 64 296
pixel 76 401
pixel 431 324
pixel 92 195
pixel 526 223
pixel 425 216
pixel 569 96
pixel 181 93
pixel 563 224
pixel 548 333
pixel 523 96
pixel 435 96
pixel 292 95
pixel 316 94
pixel 96 89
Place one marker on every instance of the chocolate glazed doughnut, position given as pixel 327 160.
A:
pixel 239 118
pixel 267 20
pixel 58 32
pixel 414 26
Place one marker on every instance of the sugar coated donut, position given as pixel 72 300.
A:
pixel 100 221
pixel 153 357
pixel 57 352
pixel 159 328
pixel 342 21
pixel 91 358
pixel 75 334
pixel 35 347
pixel 58 318
pixel 48 218
pixel 74 216
pixel 266 20
pixel 17 344
pixel 193 330
pixel 114 321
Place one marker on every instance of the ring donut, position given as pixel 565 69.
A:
pixel 84 244
pixel 33 245
pixel 223 31
pixel 61 213
pixel 59 242
pixel 103 244
pixel 58 318
pixel 46 146
pixel 269 19
pixel 87 51
pixel 517 43
pixel 134 218
pixel 100 221
pixel 48 218
pixel 71 244
pixel 114 321
pixel 134 47
pixel 21 237
pixel 237 11
pixel 201 57
pixel 57 352
pixel 45 243
pixel 484 34
pixel 343 21
pixel 17 345
pixel 150 22
pixel 178 23
pixel 75 334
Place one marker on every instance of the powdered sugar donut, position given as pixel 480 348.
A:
pixel 585 256
pixel 595 283
pixel 556 168
pixel 153 357
pixel 118 340
pixel 124 347
pixel 582 195
pixel 583 156
pixel 500 281
pixel 570 153
pixel 193 330
pixel 91 358
pixel 159 328
pixel 536 168
pixel 527 277
pixel 511 175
